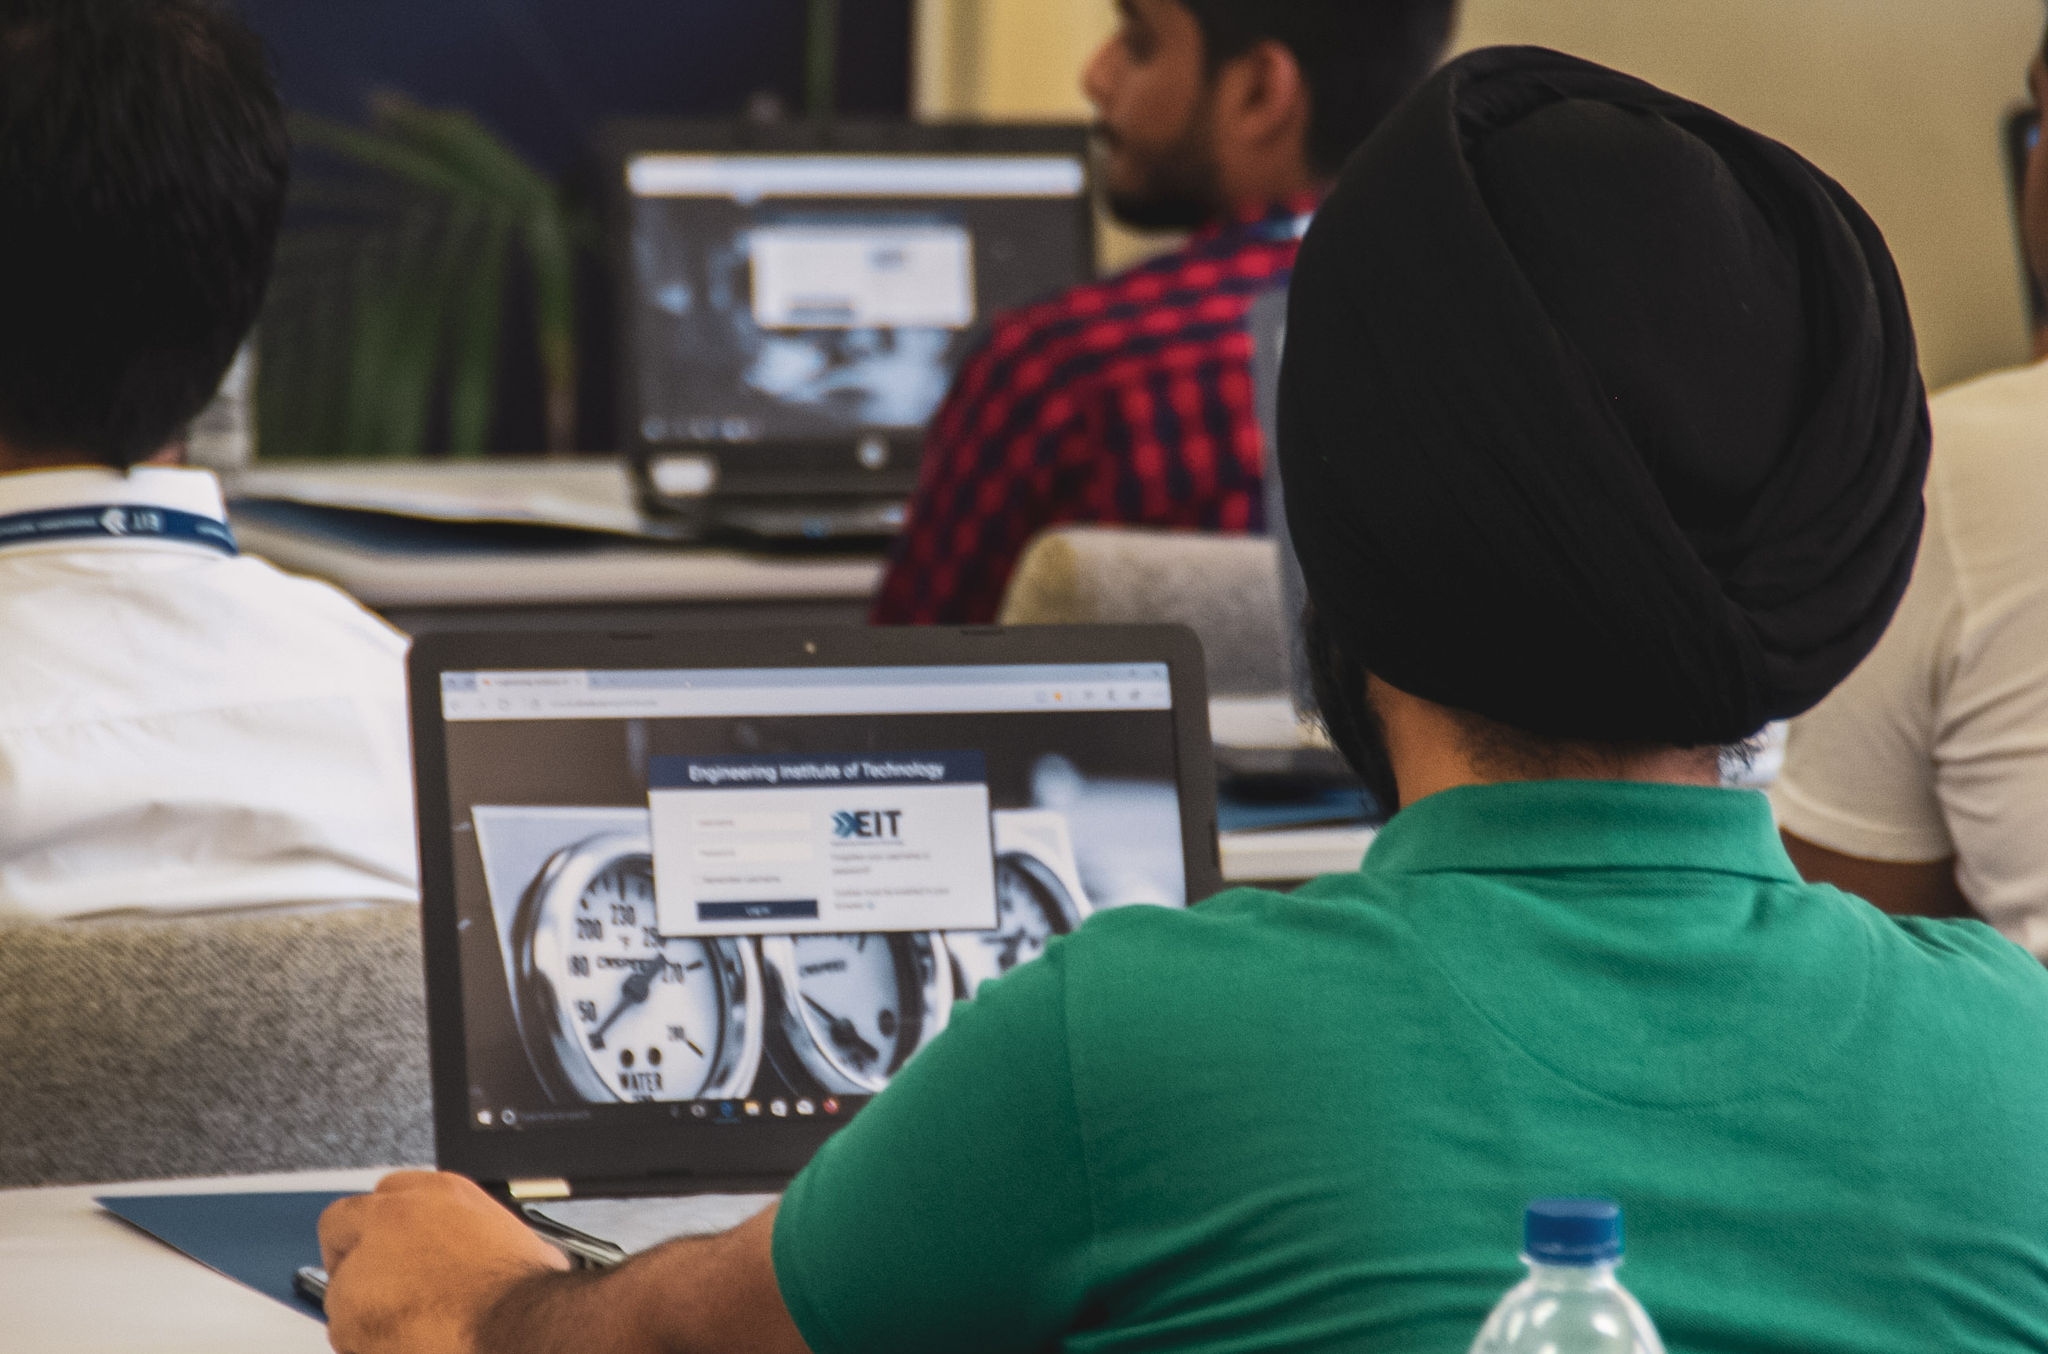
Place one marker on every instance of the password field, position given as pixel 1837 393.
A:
pixel 771 852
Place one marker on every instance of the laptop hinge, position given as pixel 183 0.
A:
pixel 528 1190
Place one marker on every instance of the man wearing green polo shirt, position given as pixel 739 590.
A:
pixel 1603 441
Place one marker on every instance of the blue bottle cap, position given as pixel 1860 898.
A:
pixel 1573 1231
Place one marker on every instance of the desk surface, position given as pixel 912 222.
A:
pixel 488 501
pixel 606 574
pixel 1286 856
pixel 75 1280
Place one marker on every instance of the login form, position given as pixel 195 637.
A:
pixel 821 843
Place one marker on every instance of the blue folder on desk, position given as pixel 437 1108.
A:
pixel 255 1239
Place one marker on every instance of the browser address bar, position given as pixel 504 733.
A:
pixel 614 703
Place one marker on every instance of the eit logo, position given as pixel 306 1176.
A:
pixel 869 824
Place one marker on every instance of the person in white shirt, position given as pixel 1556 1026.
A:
pixel 1921 784
pixel 181 727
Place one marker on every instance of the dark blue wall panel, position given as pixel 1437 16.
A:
pixel 544 73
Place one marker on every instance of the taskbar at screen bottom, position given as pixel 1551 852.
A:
pixel 823 1109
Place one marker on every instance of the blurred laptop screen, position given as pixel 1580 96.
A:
pixel 816 297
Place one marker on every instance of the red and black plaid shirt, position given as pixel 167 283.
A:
pixel 1127 400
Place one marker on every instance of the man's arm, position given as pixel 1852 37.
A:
pixel 1904 889
pixel 952 1214
pixel 430 1264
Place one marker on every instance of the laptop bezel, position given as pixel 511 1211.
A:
pixel 819 468
pixel 692 1156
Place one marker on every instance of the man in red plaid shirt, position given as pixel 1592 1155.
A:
pixel 1130 400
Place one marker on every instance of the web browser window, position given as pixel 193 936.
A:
pixel 754 894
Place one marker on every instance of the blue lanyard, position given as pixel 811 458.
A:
pixel 117 520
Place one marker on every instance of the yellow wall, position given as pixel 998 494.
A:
pixel 1007 58
pixel 1899 99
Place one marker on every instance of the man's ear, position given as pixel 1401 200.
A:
pixel 1262 102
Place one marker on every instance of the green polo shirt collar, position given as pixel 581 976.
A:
pixel 1526 826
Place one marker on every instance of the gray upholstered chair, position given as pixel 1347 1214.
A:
pixel 139 1048
pixel 1242 596
pixel 1224 588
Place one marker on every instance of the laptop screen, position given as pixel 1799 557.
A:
pixel 809 297
pixel 749 895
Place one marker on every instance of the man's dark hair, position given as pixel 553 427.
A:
pixel 143 161
pixel 1359 57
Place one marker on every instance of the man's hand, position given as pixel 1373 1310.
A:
pixel 415 1267
pixel 430 1265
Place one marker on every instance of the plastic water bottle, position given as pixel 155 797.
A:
pixel 1571 1302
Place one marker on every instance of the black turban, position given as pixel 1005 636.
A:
pixel 1601 415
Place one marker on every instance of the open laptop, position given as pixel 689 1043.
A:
pixel 794 299
pixel 690 899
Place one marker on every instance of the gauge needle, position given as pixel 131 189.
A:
pixel 846 1035
pixel 631 994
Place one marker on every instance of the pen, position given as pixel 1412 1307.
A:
pixel 311 1283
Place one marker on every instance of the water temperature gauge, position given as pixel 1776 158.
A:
pixel 612 1010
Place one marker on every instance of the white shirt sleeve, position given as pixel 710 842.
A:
pixel 1938 745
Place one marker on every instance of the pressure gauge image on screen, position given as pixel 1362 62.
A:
pixel 1038 896
pixel 851 1009
pixel 612 1010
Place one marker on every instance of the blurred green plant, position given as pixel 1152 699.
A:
pixel 388 301
pixel 821 58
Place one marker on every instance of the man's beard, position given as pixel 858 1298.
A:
pixel 1180 187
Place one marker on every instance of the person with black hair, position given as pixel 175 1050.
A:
pixel 1603 439
pixel 181 727
pixel 1130 400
